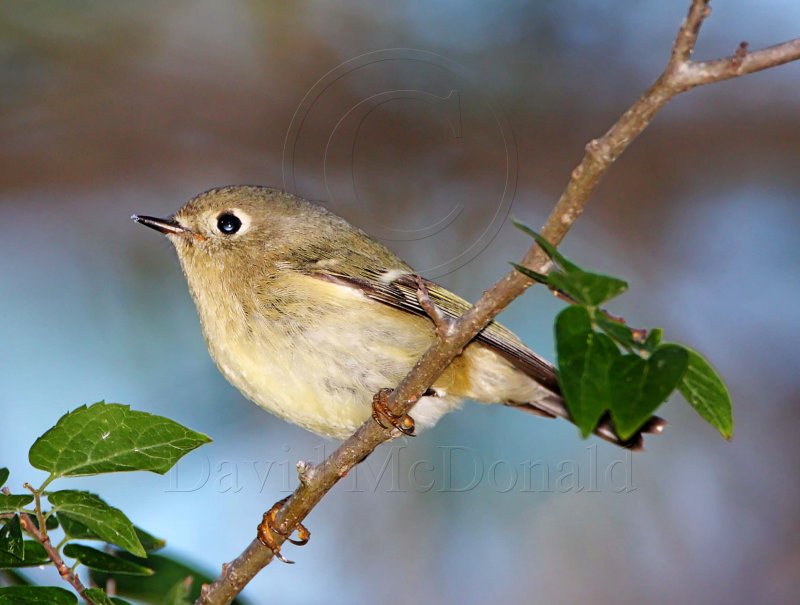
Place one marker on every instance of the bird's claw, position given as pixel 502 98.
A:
pixel 383 415
pixel 267 532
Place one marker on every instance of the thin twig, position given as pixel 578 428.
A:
pixel 741 62
pixel 41 536
pixel 680 75
pixel 685 41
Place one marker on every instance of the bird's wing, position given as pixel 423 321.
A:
pixel 397 287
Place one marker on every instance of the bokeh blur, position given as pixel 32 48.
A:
pixel 429 125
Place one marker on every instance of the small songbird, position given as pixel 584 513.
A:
pixel 309 318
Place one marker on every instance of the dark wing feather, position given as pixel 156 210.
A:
pixel 401 293
pixel 364 271
pixel 337 252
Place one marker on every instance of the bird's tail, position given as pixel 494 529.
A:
pixel 553 406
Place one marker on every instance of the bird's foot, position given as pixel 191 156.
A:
pixel 443 322
pixel 268 532
pixel 385 417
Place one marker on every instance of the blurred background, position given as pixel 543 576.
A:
pixel 429 125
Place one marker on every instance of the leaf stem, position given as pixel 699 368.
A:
pixel 51 477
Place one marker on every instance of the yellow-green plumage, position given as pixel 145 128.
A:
pixel 309 317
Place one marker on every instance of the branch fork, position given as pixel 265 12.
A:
pixel 41 536
pixel 680 74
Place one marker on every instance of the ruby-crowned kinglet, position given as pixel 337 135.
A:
pixel 309 317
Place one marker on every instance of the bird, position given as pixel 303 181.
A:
pixel 315 321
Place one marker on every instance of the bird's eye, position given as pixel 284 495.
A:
pixel 228 223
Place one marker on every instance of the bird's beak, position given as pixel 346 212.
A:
pixel 164 225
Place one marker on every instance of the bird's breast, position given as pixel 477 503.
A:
pixel 316 354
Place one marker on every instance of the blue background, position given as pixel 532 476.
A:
pixel 110 108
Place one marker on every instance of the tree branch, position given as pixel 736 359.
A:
pixel 740 63
pixel 40 535
pixel 680 75
pixel 686 39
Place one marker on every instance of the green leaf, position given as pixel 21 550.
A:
pixel 110 437
pixel 151 589
pixel 654 339
pixel 97 559
pixel 11 504
pixel 548 248
pixel 535 276
pixel 705 391
pixel 584 360
pixel 590 289
pixel 618 331
pixel 639 386
pixel 3 476
pixel 11 538
pixel 108 523
pixel 99 597
pixel 33 555
pixel 36 595
pixel 149 542
pixel 76 530
pixel 584 287
pixel 180 593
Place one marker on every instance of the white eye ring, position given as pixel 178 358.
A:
pixel 230 222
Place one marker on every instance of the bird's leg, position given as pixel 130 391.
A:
pixel 267 530
pixel 442 321
pixel 381 412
